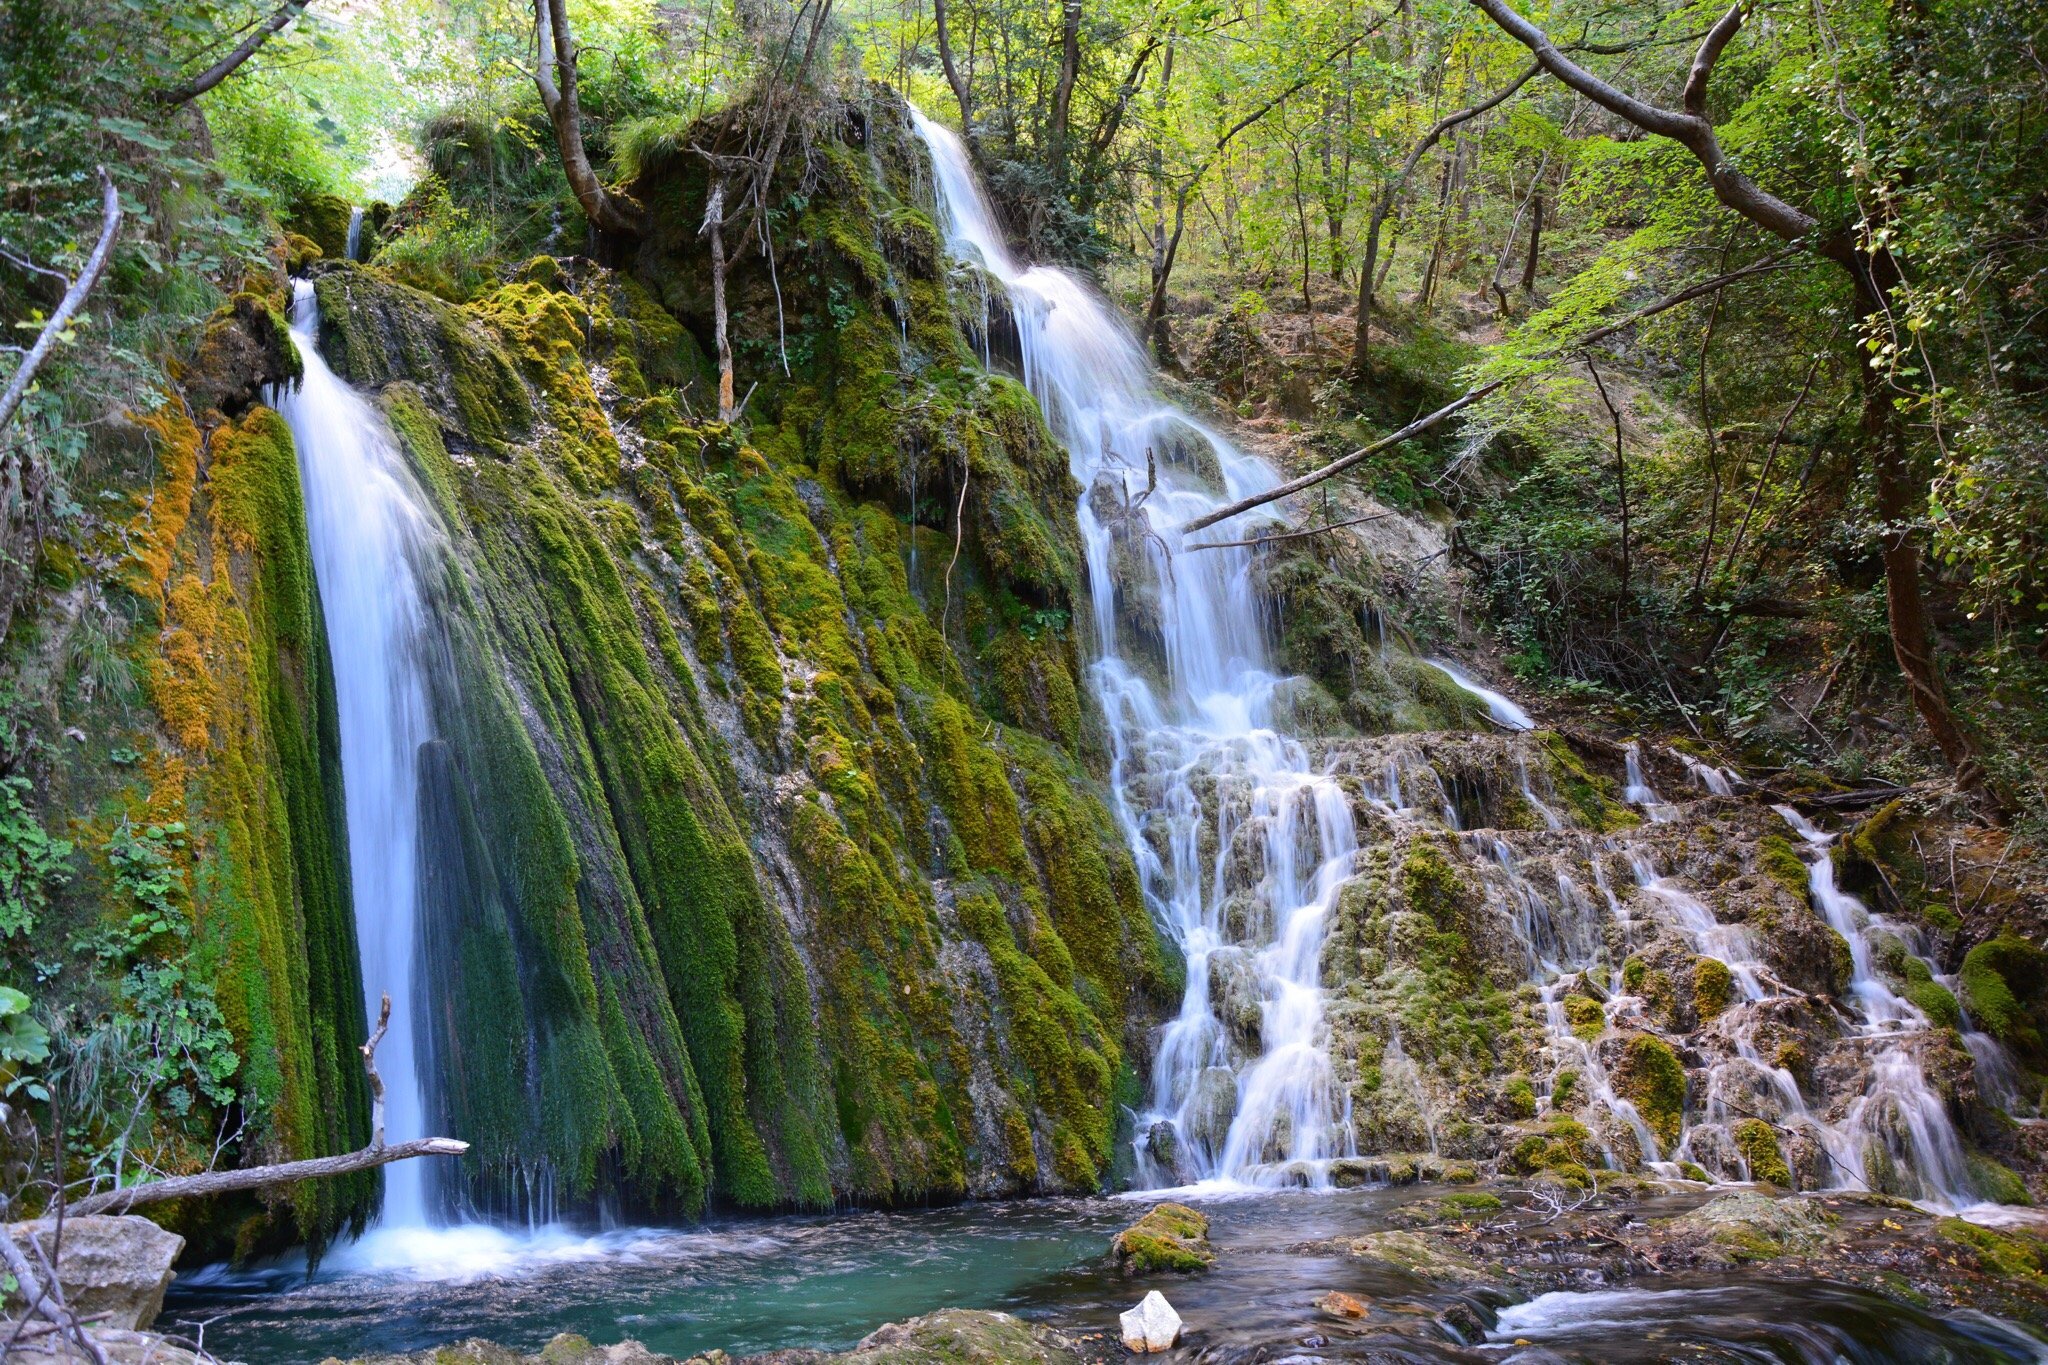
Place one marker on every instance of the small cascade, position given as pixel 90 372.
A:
pixel 368 532
pixel 353 250
pixel 1505 712
pixel 1247 1095
pixel 1638 792
pixel 1899 1122
pixel 1716 781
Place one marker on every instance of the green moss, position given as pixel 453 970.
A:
pixel 1652 1076
pixel 1518 1097
pixel 1585 1016
pixel 1632 973
pixel 1781 862
pixel 1758 1144
pixel 1564 1089
pixel 1596 800
pixel 1713 987
pixel 2010 1255
pixel 2001 978
pixel 1996 1181
pixel 1172 1237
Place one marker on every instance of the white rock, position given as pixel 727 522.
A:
pixel 1151 1326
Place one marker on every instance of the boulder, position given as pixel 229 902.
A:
pixel 1151 1326
pixel 1170 1237
pixel 119 1266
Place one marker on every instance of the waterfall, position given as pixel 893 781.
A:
pixel 366 528
pixel 352 249
pixel 1504 712
pixel 1899 1113
pixel 1195 760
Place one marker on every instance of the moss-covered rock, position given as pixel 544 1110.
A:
pixel 1758 1143
pixel 1170 1237
pixel 1651 1075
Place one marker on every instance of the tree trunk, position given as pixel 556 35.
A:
pixel 714 229
pixel 606 211
pixel 1901 502
pixel 962 94
pixel 1535 245
pixel 1063 89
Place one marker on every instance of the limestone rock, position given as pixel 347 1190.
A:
pixel 1749 1227
pixel 1170 1237
pixel 959 1336
pixel 119 1266
pixel 1151 1326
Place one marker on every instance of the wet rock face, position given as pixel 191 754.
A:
pixel 1553 967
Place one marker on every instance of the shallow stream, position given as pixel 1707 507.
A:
pixel 827 1280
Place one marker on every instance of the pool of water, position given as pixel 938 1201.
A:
pixel 827 1280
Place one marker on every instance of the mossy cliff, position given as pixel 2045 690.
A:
pixel 170 699
pixel 765 775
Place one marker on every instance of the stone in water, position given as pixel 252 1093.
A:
pixel 1338 1304
pixel 1151 1326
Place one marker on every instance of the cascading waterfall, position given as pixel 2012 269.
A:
pixel 366 528
pixel 1193 748
pixel 352 250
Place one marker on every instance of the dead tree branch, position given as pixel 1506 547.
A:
pixel 73 300
pixel 209 1183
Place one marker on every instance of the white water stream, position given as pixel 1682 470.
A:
pixel 366 528
pixel 1242 845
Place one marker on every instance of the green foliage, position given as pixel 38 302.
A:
pixel 190 1055
pixel 31 862
pixel 24 1043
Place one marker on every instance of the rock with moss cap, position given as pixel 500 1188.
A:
pixel 1170 1237
pixel 1749 1227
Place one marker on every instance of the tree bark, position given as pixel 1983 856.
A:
pixel 606 211
pixel 714 228
pixel 209 1183
pixel 187 91
pixel 1900 497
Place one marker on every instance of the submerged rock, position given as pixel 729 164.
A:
pixel 1170 1237
pixel 1151 1326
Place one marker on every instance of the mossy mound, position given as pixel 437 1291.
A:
pixel 1170 1237
pixel 1752 1227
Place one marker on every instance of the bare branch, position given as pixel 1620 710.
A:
pixel 74 299
pixel 1694 100
pixel 1342 463
pixel 213 75
pixel 1689 130
pixel 1471 396
pixel 1288 535
pixel 209 1183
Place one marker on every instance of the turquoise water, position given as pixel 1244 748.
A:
pixel 826 1281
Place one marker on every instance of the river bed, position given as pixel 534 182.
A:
pixel 827 1280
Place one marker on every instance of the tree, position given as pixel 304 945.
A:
pixel 555 75
pixel 1874 275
